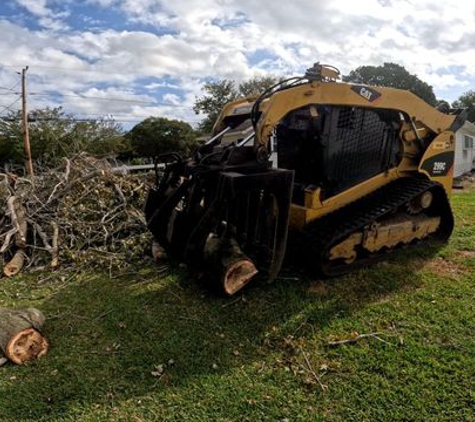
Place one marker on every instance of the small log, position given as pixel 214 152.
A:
pixel 229 263
pixel 13 267
pixel 20 338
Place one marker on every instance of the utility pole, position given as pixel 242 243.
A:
pixel 26 134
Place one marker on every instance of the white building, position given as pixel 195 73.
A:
pixel 464 149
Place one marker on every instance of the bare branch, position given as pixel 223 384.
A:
pixel 356 338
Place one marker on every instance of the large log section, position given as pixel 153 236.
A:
pixel 20 338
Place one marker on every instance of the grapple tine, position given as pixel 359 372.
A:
pixel 184 217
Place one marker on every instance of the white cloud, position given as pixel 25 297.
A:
pixel 172 99
pixel 47 18
pixel 36 7
pixel 217 38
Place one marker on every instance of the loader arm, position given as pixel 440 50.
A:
pixel 278 105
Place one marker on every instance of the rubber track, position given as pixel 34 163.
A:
pixel 321 235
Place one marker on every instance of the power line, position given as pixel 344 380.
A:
pixel 74 69
pixel 5 67
pixel 15 85
pixel 4 105
pixel 112 120
pixel 92 97
pixel 8 107
pixel 107 116
pixel 112 115
pixel 32 119
pixel 122 100
pixel 74 119
pixel 11 88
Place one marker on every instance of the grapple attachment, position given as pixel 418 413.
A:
pixel 227 216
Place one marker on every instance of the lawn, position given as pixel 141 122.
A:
pixel 140 347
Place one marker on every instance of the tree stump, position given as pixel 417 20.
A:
pixel 20 338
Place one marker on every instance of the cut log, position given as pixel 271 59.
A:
pixel 20 338
pixel 228 263
pixel 237 274
pixel 13 267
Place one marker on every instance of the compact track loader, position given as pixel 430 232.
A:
pixel 339 174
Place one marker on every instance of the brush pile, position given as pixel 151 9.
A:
pixel 84 213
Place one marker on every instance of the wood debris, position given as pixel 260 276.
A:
pixel 85 212
pixel 334 341
pixel 310 369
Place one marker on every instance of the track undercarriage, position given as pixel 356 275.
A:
pixel 405 212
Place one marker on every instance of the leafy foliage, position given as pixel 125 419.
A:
pixel 54 134
pixel 394 76
pixel 257 85
pixel 158 135
pixel 218 94
pixel 467 101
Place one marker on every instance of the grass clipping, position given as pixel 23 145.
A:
pixel 86 213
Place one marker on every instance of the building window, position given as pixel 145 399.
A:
pixel 467 142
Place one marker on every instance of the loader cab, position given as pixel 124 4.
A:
pixel 336 147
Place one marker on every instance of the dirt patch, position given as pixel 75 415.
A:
pixel 319 289
pixel 466 254
pixel 444 267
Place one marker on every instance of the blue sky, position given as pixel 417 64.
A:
pixel 134 58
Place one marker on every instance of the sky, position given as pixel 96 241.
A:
pixel 131 59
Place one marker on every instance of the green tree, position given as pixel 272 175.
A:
pixel 158 135
pixel 257 85
pixel 394 76
pixel 55 134
pixel 101 138
pixel 11 143
pixel 467 100
pixel 218 94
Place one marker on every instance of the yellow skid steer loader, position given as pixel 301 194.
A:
pixel 347 172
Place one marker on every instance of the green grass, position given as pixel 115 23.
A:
pixel 241 359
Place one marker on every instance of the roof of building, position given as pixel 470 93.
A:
pixel 468 127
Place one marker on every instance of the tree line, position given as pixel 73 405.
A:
pixel 55 134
